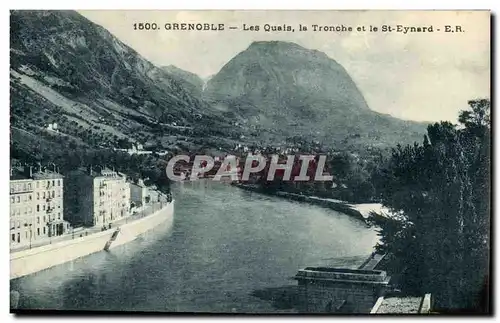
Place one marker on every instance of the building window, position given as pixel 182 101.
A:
pixel 37 196
pixel 13 237
pixel 53 183
pixel 24 187
pixel 43 194
pixel 12 190
pixel 38 208
pixel 48 183
pixel 18 237
pixel 38 219
pixel 58 182
pixel 44 218
pixel 59 215
pixel 29 186
pixel 44 207
pixel 43 230
pixel 18 199
pixel 53 194
pixel 29 197
pixel 38 231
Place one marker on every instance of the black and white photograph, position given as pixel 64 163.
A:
pixel 250 162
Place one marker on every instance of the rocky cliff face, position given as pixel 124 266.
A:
pixel 283 88
pixel 83 58
pixel 188 80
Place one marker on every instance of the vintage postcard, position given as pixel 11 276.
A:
pixel 243 162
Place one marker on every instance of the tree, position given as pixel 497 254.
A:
pixel 440 192
pixel 478 118
pixel 341 165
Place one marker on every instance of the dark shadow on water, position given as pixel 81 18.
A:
pixel 282 298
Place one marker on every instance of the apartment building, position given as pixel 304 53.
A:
pixel 96 196
pixel 36 205
pixel 139 193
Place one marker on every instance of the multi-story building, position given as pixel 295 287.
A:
pixel 154 194
pixel 96 197
pixel 36 205
pixel 139 193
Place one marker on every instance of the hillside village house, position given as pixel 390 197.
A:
pixel 36 205
pixel 52 127
pixel 97 197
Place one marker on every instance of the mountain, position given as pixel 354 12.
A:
pixel 188 80
pixel 69 70
pixel 285 90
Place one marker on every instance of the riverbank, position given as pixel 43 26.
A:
pixel 359 211
pixel 29 261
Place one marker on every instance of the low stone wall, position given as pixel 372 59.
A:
pixel 319 296
pixel 340 290
pixel 29 261
pixel 131 231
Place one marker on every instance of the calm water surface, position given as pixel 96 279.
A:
pixel 223 246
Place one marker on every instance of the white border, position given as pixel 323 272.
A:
pixel 185 4
pixel 256 4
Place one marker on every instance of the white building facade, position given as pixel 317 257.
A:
pixel 36 206
pixel 111 197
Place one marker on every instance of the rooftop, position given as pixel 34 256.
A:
pixel 47 175
pixel 26 173
pixel 140 183
pixel 105 172
pixel 344 270
pixel 15 176
pixel 96 171
pixel 343 274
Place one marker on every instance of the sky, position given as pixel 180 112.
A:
pixel 414 76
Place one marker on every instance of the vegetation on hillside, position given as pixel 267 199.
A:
pixel 67 155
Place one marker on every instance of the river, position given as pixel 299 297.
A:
pixel 227 250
